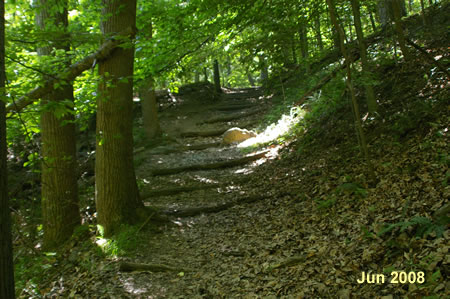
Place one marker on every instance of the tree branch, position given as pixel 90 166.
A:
pixel 70 73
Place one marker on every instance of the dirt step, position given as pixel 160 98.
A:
pixel 210 166
pixel 225 118
pixel 233 107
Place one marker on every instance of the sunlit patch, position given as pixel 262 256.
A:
pixel 276 130
pixel 205 180
pixel 132 287
pixel 101 242
pixel 73 13
pixel 245 170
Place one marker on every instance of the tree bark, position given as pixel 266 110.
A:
pixel 59 192
pixel 6 253
pixel 217 77
pixel 370 94
pixel 117 195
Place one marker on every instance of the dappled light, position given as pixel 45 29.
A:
pixel 272 132
pixel 224 149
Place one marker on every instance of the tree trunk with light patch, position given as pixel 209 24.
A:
pixel 60 210
pixel 117 195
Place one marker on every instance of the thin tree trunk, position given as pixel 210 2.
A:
pixel 303 31
pixel 60 209
pixel 372 22
pixel 217 77
pixel 149 109
pixel 294 54
pixel 318 32
pixel 397 14
pixel 197 77
pixel 383 12
pixel 264 70
pixel 117 195
pixel 424 18
pixel 251 81
pixel 6 252
pixel 358 124
pixel 149 105
pixel 370 94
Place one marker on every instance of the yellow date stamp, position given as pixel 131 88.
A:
pixel 396 277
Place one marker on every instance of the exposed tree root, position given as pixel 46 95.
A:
pixel 128 267
pixel 232 107
pixel 231 117
pixel 211 133
pixel 429 57
pixel 181 189
pixel 173 191
pixel 190 212
pixel 176 149
pixel 216 165
pixel 292 261
pixel 243 95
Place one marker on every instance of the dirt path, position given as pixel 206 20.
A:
pixel 206 244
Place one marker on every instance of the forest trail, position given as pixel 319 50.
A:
pixel 205 242
pixel 212 177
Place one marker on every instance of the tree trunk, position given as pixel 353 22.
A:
pixel 117 195
pixel 424 18
pixel 251 81
pixel 60 210
pixel 149 105
pixel 217 77
pixel 205 71
pixel 383 12
pixel 318 32
pixel 294 54
pixel 303 31
pixel 397 14
pixel 370 94
pixel 264 70
pixel 197 77
pixel 149 109
pixel 6 253
pixel 372 22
